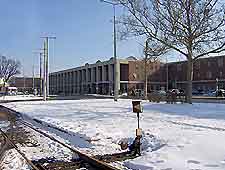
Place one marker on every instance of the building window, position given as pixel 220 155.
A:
pixel 198 65
pixel 220 62
pixel 221 74
pixel 179 67
pixel 209 63
pixel 136 66
pixel 209 74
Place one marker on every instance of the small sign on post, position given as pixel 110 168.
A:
pixel 137 108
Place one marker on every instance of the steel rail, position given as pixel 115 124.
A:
pixel 93 161
pixel 3 148
pixel 17 149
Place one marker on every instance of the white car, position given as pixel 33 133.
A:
pixel 162 92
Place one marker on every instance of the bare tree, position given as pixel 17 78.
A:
pixel 8 69
pixel 153 50
pixel 193 28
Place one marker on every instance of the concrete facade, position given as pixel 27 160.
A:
pixel 97 78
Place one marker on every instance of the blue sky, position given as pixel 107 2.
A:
pixel 83 29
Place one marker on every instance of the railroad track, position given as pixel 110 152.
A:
pixel 12 144
pixel 91 160
pixel 3 147
pixel 86 159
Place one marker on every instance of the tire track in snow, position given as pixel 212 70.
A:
pixel 190 125
pixel 196 125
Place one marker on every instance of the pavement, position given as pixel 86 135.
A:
pixel 195 99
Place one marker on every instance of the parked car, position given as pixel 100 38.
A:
pixel 217 93
pixel 197 92
pixel 220 93
pixel 12 93
pixel 124 94
pixel 157 96
pixel 139 92
pixel 19 93
pixel 178 91
pixel 182 92
pixel 161 92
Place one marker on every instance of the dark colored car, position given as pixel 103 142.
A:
pixel 178 91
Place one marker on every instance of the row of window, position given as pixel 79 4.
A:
pixel 209 75
pixel 74 78
pixel 197 65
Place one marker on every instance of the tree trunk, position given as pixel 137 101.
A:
pixel 4 90
pixel 189 80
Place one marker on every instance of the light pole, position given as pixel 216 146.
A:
pixel 116 73
pixel 40 65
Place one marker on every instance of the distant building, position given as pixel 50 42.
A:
pixel 99 77
pixel 25 83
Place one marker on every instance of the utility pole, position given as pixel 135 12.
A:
pixel 45 83
pixel 33 83
pixel 40 73
pixel 46 63
pixel 116 71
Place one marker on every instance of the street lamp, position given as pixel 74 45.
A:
pixel 116 73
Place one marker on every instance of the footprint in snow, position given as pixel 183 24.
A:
pixel 180 146
pixel 211 165
pixel 160 161
pixel 193 162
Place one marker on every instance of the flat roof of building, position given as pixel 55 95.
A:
pixel 110 61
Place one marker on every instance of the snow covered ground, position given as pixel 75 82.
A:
pixel 194 134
